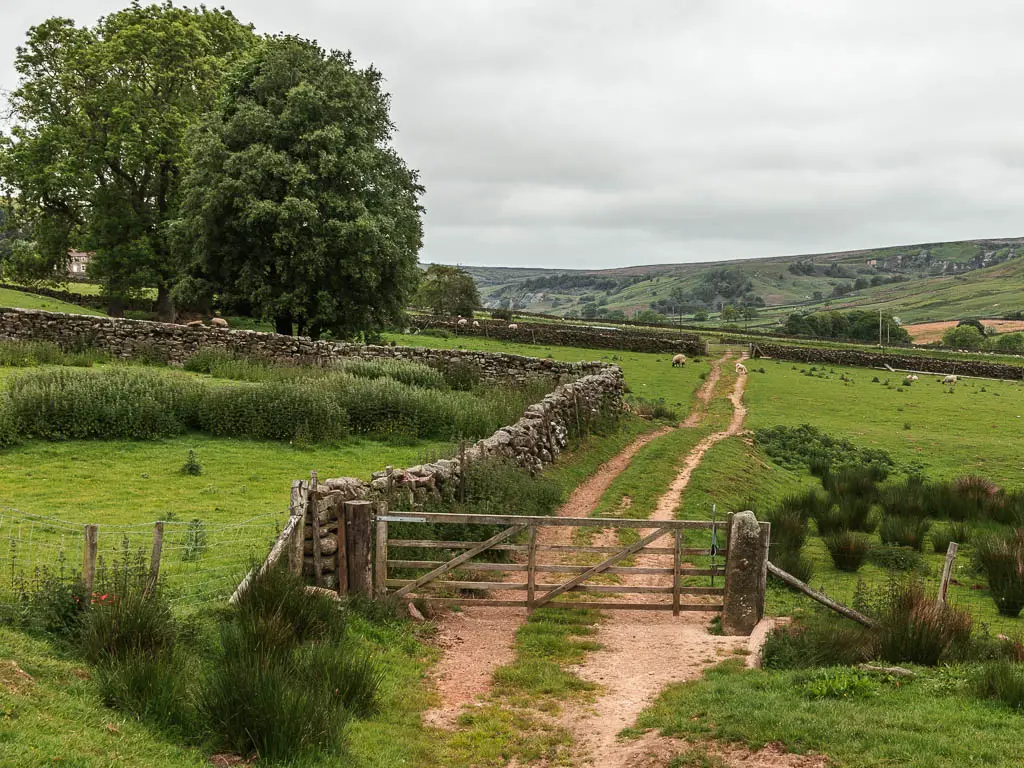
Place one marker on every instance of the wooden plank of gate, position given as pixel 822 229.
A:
pixel 635 547
pixel 440 570
pixel 531 571
pixel 676 561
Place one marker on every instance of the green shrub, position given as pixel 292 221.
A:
pixel 789 528
pixel 112 403
pixel 285 411
pixel 1006 508
pixel 405 372
pixel 194 544
pixel 855 512
pixel 838 683
pixel 53 603
pixel 653 409
pixel 27 354
pixel 1001 557
pixel 461 375
pixel 795 447
pixel 271 704
pixel 126 623
pixel 848 550
pixel 1001 680
pixel 914 627
pixel 907 498
pixel 152 688
pixel 904 531
pixel 853 481
pixel 817 640
pixel 896 558
pixel 277 601
pixel 793 563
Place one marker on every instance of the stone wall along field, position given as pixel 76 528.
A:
pixel 569 335
pixel 880 359
pixel 129 339
pixel 534 441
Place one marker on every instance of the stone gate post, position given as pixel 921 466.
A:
pixel 746 574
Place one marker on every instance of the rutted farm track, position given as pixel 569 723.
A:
pixel 641 651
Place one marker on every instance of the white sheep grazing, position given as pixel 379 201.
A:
pixel 218 322
pixel 513 327
pixel 951 379
pixel 741 368
pixel 678 361
pixel 476 323
pixel 913 377
pixel 463 322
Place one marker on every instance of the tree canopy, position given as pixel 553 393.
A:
pixel 96 150
pixel 448 290
pixel 855 324
pixel 295 204
pixel 963 337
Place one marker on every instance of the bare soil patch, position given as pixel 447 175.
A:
pixel 925 333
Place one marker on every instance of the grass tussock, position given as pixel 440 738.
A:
pixel 848 550
pixel 1001 557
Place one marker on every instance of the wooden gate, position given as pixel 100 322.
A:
pixel 528 555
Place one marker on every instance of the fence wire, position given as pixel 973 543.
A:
pixel 200 562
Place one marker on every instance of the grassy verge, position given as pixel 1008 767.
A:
pixel 22 300
pixel 920 723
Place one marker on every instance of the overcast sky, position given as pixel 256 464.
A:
pixel 601 133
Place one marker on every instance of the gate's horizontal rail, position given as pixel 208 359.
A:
pixel 510 567
pixel 433 544
pixel 623 606
pixel 540 520
pixel 595 588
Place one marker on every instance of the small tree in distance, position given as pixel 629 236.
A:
pixel 448 290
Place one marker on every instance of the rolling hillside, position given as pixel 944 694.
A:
pixel 935 281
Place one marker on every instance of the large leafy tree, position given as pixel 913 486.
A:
pixel 448 291
pixel 296 205
pixel 100 116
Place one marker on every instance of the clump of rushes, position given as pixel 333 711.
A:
pixel 904 532
pixel 848 550
pixel 1001 557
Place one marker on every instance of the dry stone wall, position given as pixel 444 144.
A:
pixel 881 359
pixel 569 335
pixel 534 441
pixel 129 339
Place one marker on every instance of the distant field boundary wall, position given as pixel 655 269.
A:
pixel 174 344
pixel 83 300
pixel 575 336
pixel 860 359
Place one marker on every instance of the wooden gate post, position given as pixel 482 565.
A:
pixel 745 574
pixel 380 553
pixel 359 547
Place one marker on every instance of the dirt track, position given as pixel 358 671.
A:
pixel 642 651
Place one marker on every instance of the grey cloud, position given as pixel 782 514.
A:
pixel 598 133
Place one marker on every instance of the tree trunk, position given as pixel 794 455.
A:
pixel 164 306
pixel 283 323
pixel 115 306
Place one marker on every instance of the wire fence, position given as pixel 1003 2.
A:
pixel 199 562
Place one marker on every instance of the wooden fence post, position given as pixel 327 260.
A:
pixel 359 541
pixel 947 571
pixel 462 470
pixel 380 554
pixel 341 553
pixel 298 544
pixel 312 509
pixel 154 558
pixel 89 549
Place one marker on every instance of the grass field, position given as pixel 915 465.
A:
pixel 919 724
pixel 22 300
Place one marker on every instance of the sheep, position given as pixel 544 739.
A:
pixel 218 322
pixel 913 377
pixel 513 327
pixel 195 324
pixel 476 323
pixel 678 361
pixel 741 368
pixel 463 322
pixel 951 379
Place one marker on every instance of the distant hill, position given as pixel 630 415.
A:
pixel 930 281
